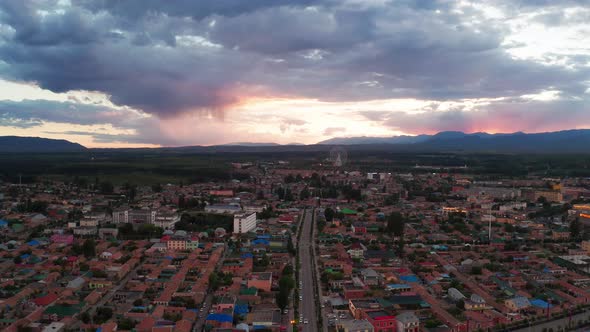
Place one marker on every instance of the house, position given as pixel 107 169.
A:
pixel 357 250
pixel 370 277
pixel 381 321
pixel 455 294
pixel 475 302
pixel 517 303
pixel 261 281
pixel 407 322
pixel 354 325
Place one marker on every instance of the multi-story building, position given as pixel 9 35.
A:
pixel 163 219
pixel 223 208
pixel 381 321
pixel 243 223
pixel 166 220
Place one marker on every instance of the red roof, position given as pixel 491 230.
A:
pixel 285 217
pixel 45 300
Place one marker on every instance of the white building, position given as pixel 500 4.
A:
pixel 223 208
pixel 166 220
pixel 243 223
pixel 161 218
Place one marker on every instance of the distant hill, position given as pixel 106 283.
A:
pixel 250 144
pixel 16 144
pixel 376 140
pixel 568 141
pixel 550 142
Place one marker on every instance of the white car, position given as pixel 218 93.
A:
pixel 305 321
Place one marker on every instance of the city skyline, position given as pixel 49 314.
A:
pixel 111 74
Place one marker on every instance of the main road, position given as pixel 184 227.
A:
pixel 307 306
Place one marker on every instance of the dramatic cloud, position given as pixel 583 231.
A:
pixel 160 61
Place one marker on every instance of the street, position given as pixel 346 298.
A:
pixel 206 305
pixel 307 306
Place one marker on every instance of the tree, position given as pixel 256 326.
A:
pixel 329 214
pixel 213 281
pixel 260 195
pixel 102 315
pixel 304 194
pixel 126 324
pixel 89 248
pixel 575 229
pixel 286 284
pixel 395 224
pixel 157 188
pixel 85 317
pixel 106 187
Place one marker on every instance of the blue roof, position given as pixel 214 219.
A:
pixel 3 222
pixel 241 309
pixel 261 241
pixel 220 317
pixel 397 286
pixel 263 237
pixel 25 256
pixel 247 255
pixel 409 278
pixel 541 304
pixel 33 243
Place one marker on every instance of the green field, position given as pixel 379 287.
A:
pixel 147 167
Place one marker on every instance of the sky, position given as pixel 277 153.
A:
pixel 111 73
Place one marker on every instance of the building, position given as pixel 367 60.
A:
pixel 166 220
pixel 261 281
pixel 517 304
pixel 381 321
pixel 143 216
pixel 243 223
pixel 355 325
pixel 407 322
pixel 223 208
pixel 163 219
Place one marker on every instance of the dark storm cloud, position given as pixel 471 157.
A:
pixel 187 8
pixel 169 57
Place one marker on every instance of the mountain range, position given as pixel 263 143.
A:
pixel 550 142
pixel 18 144
pixel 567 141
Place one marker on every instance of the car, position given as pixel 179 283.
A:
pixel 323 306
pixel 286 311
pixel 305 321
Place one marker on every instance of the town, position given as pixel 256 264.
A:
pixel 290 248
